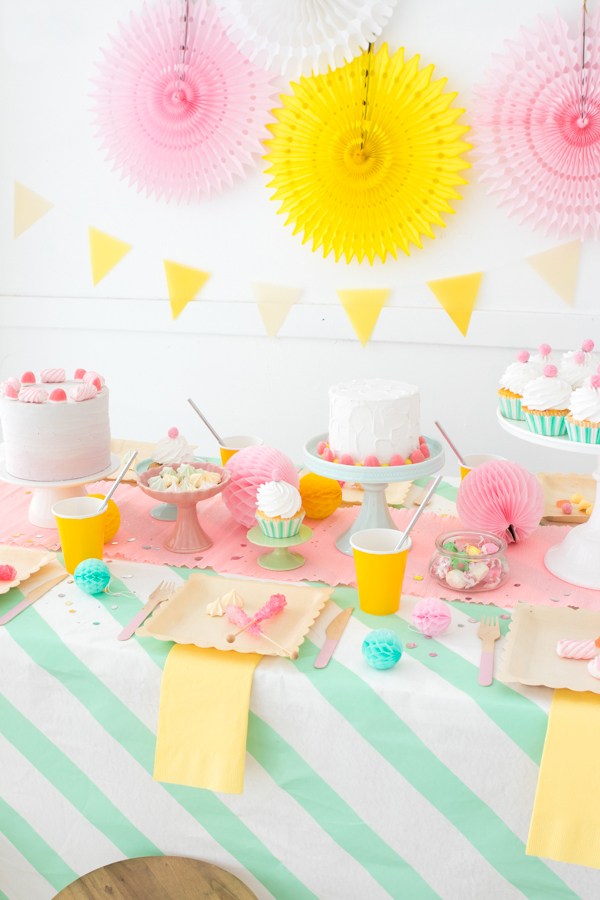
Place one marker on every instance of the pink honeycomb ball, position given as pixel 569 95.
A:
pixel 249 468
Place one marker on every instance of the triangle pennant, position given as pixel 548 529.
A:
pixel 362 308
pixel 28 208
pixel 458 296
pixel 105 252
pixel 274 303
pixel 559 267
pixel 183 284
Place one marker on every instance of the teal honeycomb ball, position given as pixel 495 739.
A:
pixel 382 649
pixel 92 576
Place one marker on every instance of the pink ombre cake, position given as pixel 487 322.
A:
pixel 54 428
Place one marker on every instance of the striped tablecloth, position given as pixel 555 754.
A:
pixel 412 783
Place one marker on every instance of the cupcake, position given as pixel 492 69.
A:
pixel 544 356
pixel 583 421
pixel 578 365
pixel 172 449
pixel 279 509
pixel 546 403
pixel 513 382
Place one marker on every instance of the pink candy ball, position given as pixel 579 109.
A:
pixel 328 454
pixel 346 459
pixel 431 617
pixel 173 433
pixel 417 456
pixel 249 468
pixel 321 447
pixel 587 346
pixel 371 461
pixel 397 460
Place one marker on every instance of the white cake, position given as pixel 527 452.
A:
pixel 373 420
pixel 55 429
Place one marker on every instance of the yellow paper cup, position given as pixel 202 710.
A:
pixel 476 459
pixel 80 528
pixel 236 442
pixel 379 569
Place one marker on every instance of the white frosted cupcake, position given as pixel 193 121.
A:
pixel 172 449
pixel 279 509
pixel 578 365
pixel 546 403
pixel 583 421
pixel 544 356
pixel 513 382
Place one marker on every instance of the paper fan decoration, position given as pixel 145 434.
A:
pixel 365 159
pixel 181 112
pixel 304 37
pixel 503 498
pixel 537 121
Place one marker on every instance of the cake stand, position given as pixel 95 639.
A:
pixel 374 512
pixel 187 535
pixel 46 493
pixel 281 559
pixel 577 558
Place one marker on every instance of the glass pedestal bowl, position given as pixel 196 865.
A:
pixel 469 561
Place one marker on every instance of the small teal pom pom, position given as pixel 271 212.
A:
pixel 92 576
pixel 382 649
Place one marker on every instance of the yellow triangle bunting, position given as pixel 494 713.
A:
pixel 28 208
pixel 458 296
pixel 183 284
pixel 362 308
pixel 105 252
pixel 559 267
pixel 274 303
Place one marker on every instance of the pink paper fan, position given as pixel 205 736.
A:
pixel 180 117
pixel 249 468
pixel 537 122
pixel 502 498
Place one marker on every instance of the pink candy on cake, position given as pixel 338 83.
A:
pixel 83 392
pixel 32 395
pixel 52 376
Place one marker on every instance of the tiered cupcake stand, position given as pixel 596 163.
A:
pixel 577 558
pixel 374 512
pixel 44 494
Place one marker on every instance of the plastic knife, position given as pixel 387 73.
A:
pixel 333 633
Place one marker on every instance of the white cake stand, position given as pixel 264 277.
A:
pixel 46 493
pixel 374 511
pixel 577 558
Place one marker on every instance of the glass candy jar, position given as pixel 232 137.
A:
pixel 469 561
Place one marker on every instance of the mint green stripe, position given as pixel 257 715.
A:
pixel 46 648
pixel 74 784
pixel 293 774
pixel 448 491
pixel 404 750
pixel 521 719
pixel 34 848
pixel 3 896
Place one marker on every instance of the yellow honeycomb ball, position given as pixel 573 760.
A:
pixel 112 518
pixel 320 496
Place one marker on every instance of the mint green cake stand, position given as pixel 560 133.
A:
pixel 281 559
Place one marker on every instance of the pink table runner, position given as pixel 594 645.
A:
pixel 141 537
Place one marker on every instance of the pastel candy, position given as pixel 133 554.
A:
pixel 83 392
pixel 571 649
pixel 52 376
pixel 89 377
pixel 32 395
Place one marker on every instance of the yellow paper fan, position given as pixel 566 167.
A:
pixel 365 158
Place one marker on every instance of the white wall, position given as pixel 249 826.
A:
pixel 51 315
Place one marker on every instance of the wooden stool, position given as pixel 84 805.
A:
pixel 158 878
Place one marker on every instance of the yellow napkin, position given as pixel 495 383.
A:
pixel 203 718
pixel 565 824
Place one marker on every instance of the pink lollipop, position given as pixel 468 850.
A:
pixel 272 607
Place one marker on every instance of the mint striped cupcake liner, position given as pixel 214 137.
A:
pixel 510 407
pixel 280 528
pixel 585 434
pixel 550 426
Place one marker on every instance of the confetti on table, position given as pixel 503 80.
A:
pixel 411 645
pixel 433 654
pixel 129 540
pixel 418 577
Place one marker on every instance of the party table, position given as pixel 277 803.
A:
pixel 412 783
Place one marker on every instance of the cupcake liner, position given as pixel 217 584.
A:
pixel 550 426
pixel 510 407
pixel 585 434
pixel 281 528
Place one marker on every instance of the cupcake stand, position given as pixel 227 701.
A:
pixel 577 558
pixel 281 558
pixel 374 480
pixel 44 494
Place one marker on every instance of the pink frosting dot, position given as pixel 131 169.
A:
pixel 545 349
pixel 579 357
pixel 321 447
pixel 79 373
pixel 587 346
pixel 58 395
pixel 371 461
pixel 173 433
pixel 328 454
pixel 397 460
pixel 550 371
pixel 346 459
pixel 27 378
pixel 595 381
pixel 417 456
pixel 523 356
